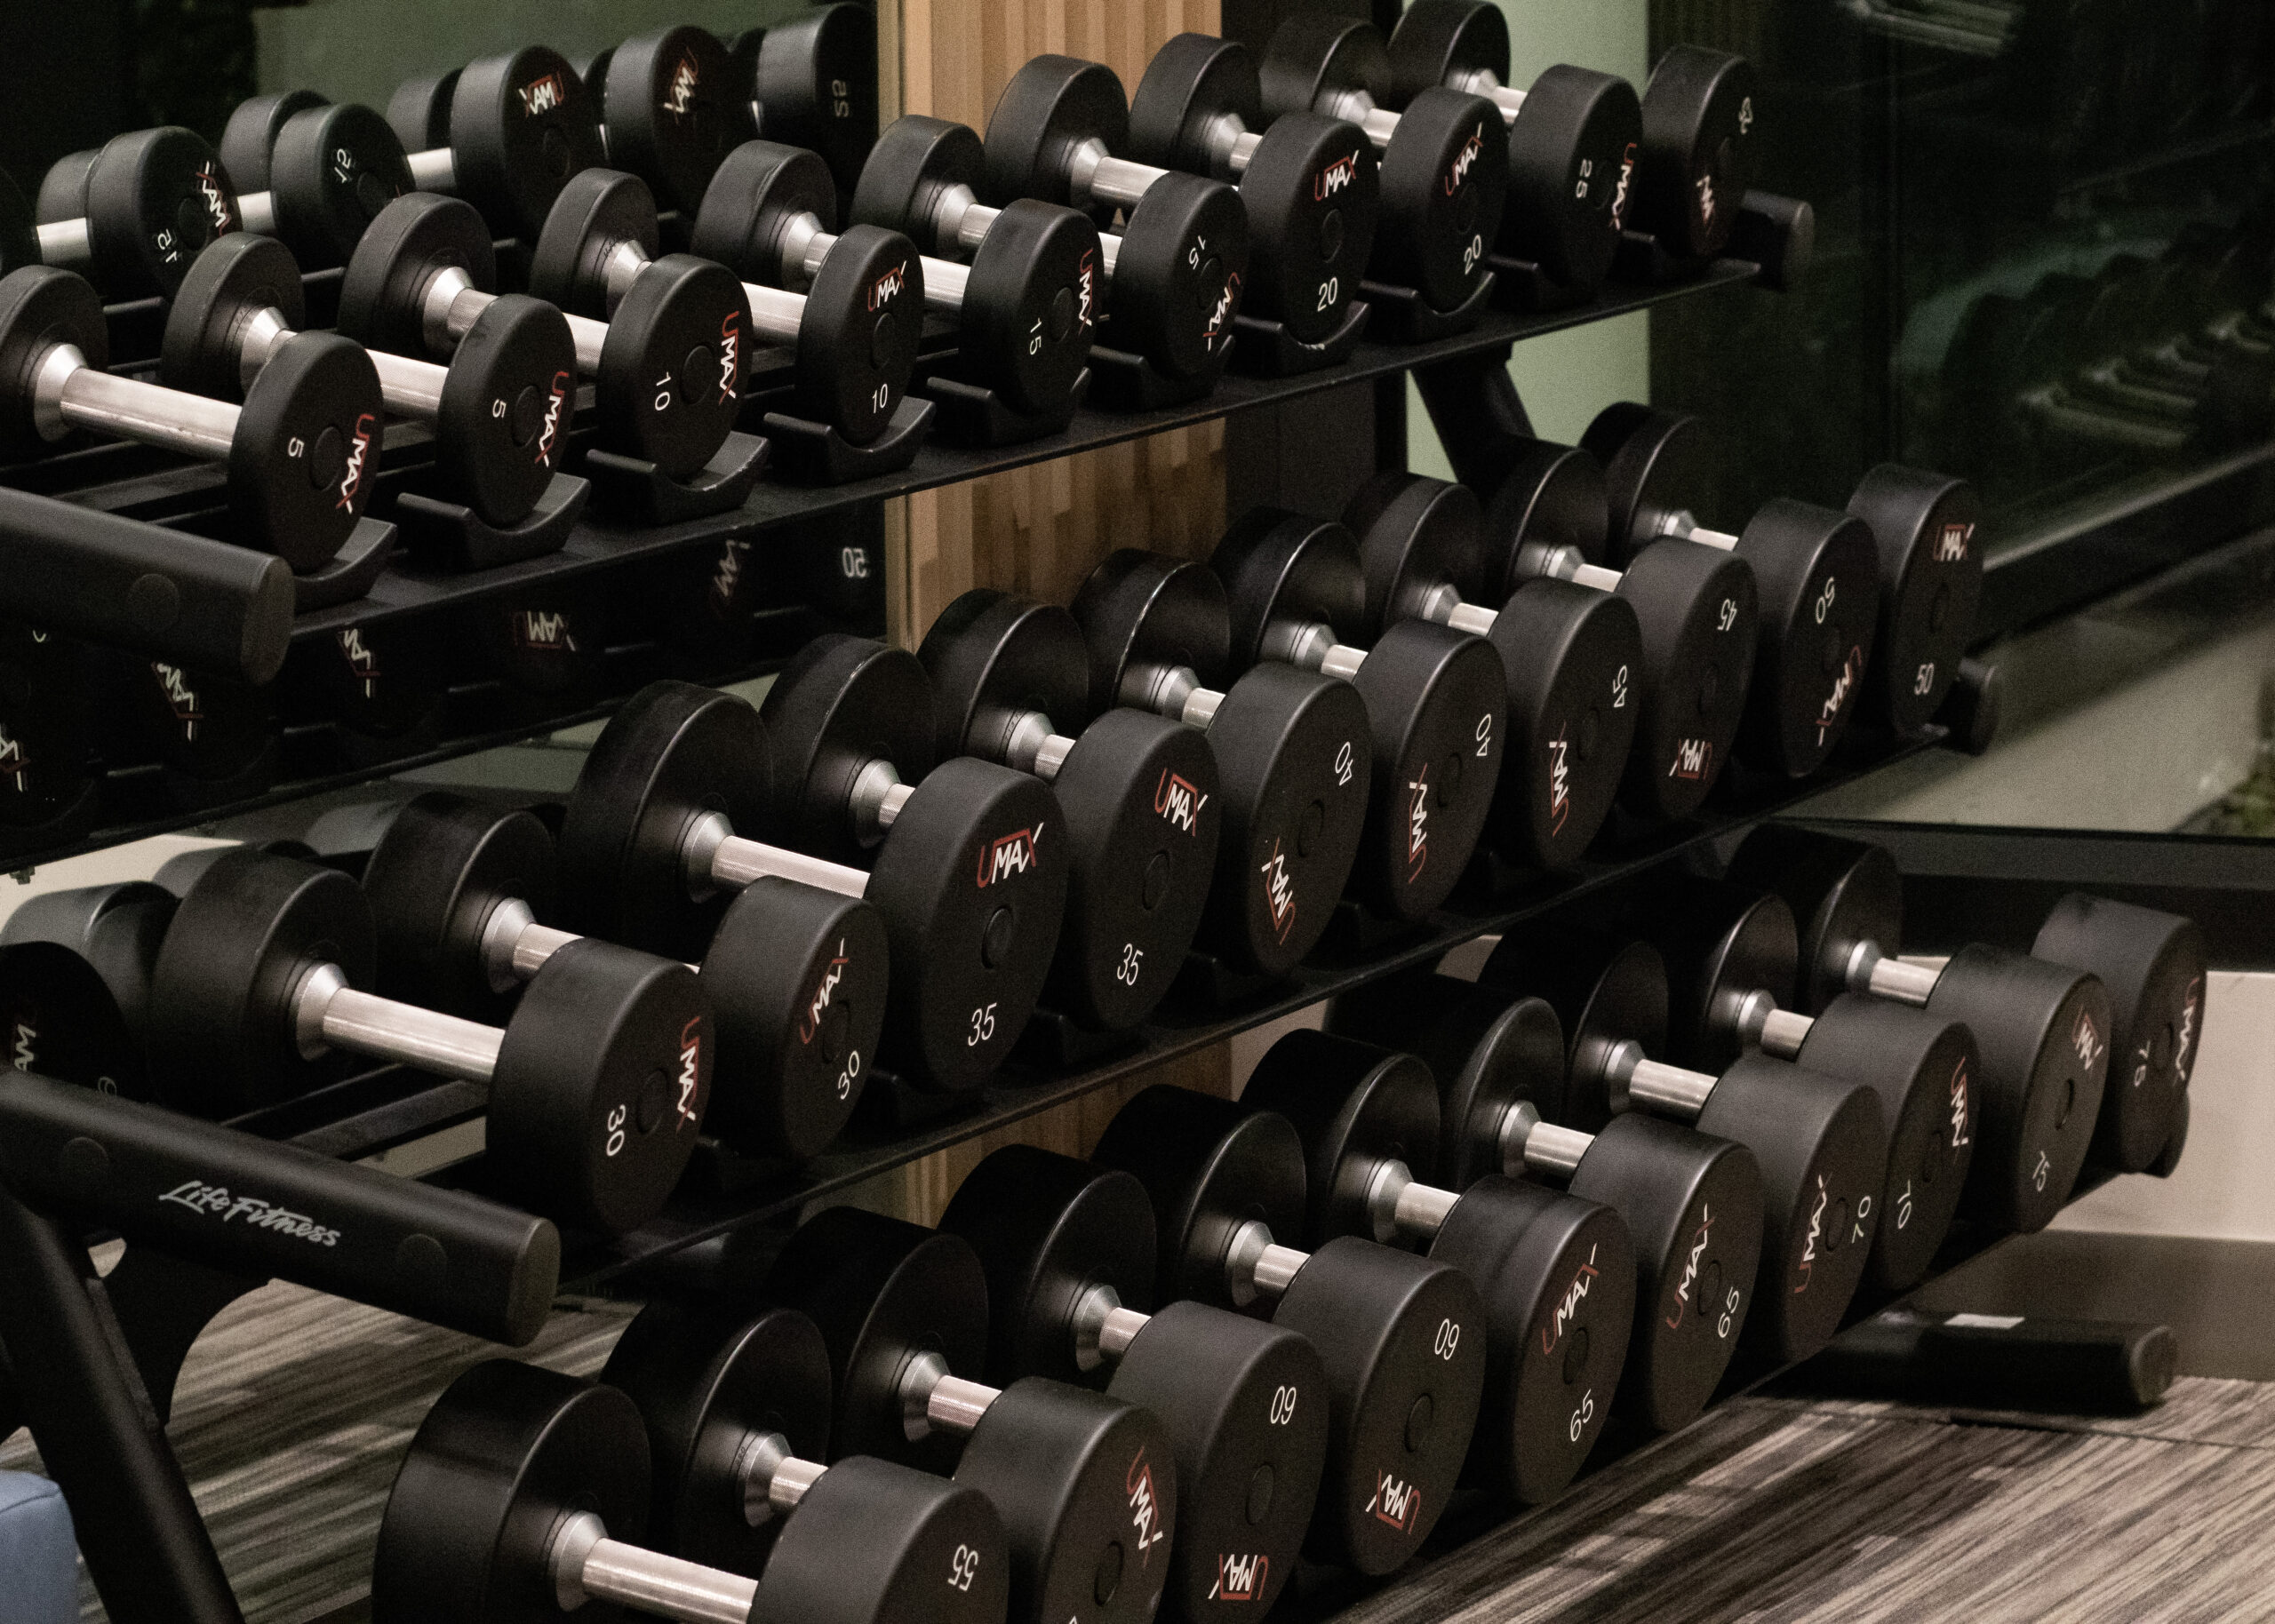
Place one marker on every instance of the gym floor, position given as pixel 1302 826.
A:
pixel 295 1409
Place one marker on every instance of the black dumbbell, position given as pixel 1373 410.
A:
pixel 300 453
pixel 1176 272
pixel 2149 965
pixel 503 1510
pixel 1818 572
pixel 810 81
pixel 854 328
pixel 795 975
pixel 1555 1273
pixel 499 409
pixel 1437 699
pixel 1288 744
pixel 1086 1482
pixel 1693 1204
pixel 1730 957
pixel 1445 160
pixel 1574 137
pixel 1402 1337
pixel 667 106
pixel 1570 656
pixel 1698 609
pixel 1820 1140
pixel 1698 151
pixel 504 133
pixel 1309 182
pixel 966 868
pixel 1928 569
pixel 2042 1029
pixel 77 977
pixel 311 173
pixel 1070 1253
pixel 1035 289
pixel 594 1090
pixel 131 214
pixel 666 366
pixel 1138 793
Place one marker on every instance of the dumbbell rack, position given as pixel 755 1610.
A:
pixel 391 1106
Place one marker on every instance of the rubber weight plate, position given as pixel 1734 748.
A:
pixel 220 1035
pixel 414 238
pixel 434 880
pixel 1179 275
pixel 1313 191
pixel 1572 157
pixel 2152 966
pixel 1700 620
pixel 419 111
pixel 797 978
pixel 1604 992
pixel 1403 1342
pixel 842 703
pixel 1721 943
pixel 333 170
pixel 669 99
pixel 1818 575
pixel 1844 895
pixel 521 124
pixel 1051 107
pixel 930 1550
pixel 857 340
pixel 501 431
pixel 233 281
pixel 599 211
pixel 1698 119
pixel 154 198
pixel 1931 583
pixel 1572 658
pixel 251 133
pixel 669 388
pixel 305 456
pixel 815 85
pixel 1445 180
pixel 1032 304
pixel 41 308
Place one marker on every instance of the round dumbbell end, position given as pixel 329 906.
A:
pixel 1032 304
pixel 927 1548
pixel 305 456
pixel 672 107
pixel 858 340
pixel 40 307
pixel 669 388
pixel 1699 110
pixel 1818 572
pixel 814 81
pixel 333 170
pixel 67 1022
pixel 252 132
pixel 1573 658
pixel 1700 617
pixel 1314 195
pixel 1606 993
pixel 2152 966
pixel 433 880
pixel 796 976
pixel 1844 895
pixel 502 429
pixel 1931 572
pixel 1823 1152
pixel 1179 279
pixel 598 210
pixel 1445 179
pixel 600 1085
pixel 520 125
pixel 1572 157
pixel 233 279
pixel 1051 107
pixel 413 238
pixel 1192 79
pixel 1436 39
pixel 154 198
pixel 1356 1108
pixel 1721 943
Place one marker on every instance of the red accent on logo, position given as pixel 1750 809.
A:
pixel 351 483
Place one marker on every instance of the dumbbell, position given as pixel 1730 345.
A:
pixel 132 214
pixel 666 366
pixel 1138 794
pixel 298 453
pixel 1176 272
pixel 966 868
pixel 1697 159
pixel 503 132
pixel 1570 656
pixel 1287 745
pixel 503 1510
pixel 1555 1273
pixel 2041 1029
pixel 2149 965
pixel 795 975
pixel 1069 1251
pixel 1696 609
pixel 1310 183
pixel 1819 1139
pixel 311 173
pixel 1086 1482
pixel 595 1089
pixel 1924 572
pixel 74 969
pixel 1692 1203
pixel 1400 1337
pixel 499 409
pixel 810 81
pixel 666 105
pixel 1445 161
pixel 1574 137
pixel 855 330
pixel 1437 699
pixel 1730 955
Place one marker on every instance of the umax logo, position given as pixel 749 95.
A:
pixel 1619 192
pixel 1692 758
pixel 1560 783
pixel 1952 543
pixel 1220 317
pixel 1009 857
pixel 548 433
pixel 1706 199
pixel 1085 274
pixel 679 96
pixel 1335 177
pixel 691 1073
pixel 1960 1108
pixel 1241 1579
pixel 220 206
pixel 817 1006
pixel 359 447
pixel 728 574
pixel 1852 671
pixel 1395 1501
pixel 13 762
pixel 2187 1038
pixel 23 1041
pixel 1280 892
pixel 2085 1039
pixel 1568 1308
pixel 215 1201
pixel 1690 1266
pixel 1459 171
pixel 1179 802
pixel 1808 1245
pixel 363 660
pixel 730 356
pixel 545 629
pixel 173 682
pixel 1145 1508
pixel 1417 824
pixel 541 96
pixel 888 287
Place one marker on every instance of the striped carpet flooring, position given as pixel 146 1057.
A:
pixel 295 1409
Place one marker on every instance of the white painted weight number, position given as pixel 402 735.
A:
pixel 1924 680
pixel 1581 1416
pixel 963 1568
pixel 1485 733
pixel 1329 291
pixel 1472 252
pixel 1729 616
pixel 845 1077
pixel 664 393
pixel 1904 1206
pixel 1619 689
pixel 1447 1341
pixel 1825 600
pixel 1342 765
pixel 1864 1216
pixel 841 99
pixel 1728 1317
pixel 983 1026
pixel 853 563
pixel 616 1121
pixel 1284 1405
pixel 1132 957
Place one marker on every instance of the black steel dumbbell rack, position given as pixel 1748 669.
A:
pixel 391 1106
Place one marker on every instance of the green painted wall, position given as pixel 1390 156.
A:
pixel 1566 377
